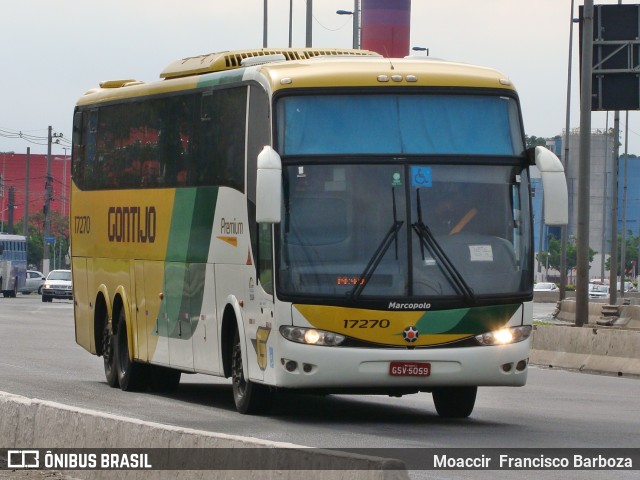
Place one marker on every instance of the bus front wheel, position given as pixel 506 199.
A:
pixel 455 402
pixel 249 397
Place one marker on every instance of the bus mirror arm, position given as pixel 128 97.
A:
pixel 554 185
pixel 269 186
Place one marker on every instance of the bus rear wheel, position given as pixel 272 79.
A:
pixel 249 397
pixel 131 374
pixel 455 402
pixel 108 353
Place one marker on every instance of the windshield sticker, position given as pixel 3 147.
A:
pixel 420 176
pixel 397 180
pixel 480 253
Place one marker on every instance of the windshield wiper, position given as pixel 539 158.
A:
pixel 376 258
pixel 428 240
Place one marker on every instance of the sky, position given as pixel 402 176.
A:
pixel 52 51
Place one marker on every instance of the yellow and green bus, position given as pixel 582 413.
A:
pixel 308 220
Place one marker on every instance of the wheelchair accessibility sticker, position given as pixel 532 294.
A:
pixel 420 176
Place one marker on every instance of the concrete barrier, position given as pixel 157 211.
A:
pixel 629 315
pixel 596 349
pixel 31 423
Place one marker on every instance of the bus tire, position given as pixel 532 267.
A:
pixel 131 374
pixel 14 292
pixel 455 402
pixel 249 397
pixel 108 353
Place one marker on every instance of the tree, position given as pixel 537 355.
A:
pixel 533 141
pixel 631 254
pixel 35 237
pixel 553 253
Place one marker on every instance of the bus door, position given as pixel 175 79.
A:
pixel 206 357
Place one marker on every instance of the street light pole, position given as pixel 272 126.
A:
pixel 264 27
pixel 356 22
pixel 309 33
pixel 567 129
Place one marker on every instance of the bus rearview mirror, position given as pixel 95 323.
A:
pixel 269 186
pixel 554 184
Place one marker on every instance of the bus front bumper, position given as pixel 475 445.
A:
pixel 334 368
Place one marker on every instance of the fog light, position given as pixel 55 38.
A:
pixel 507 367
pixel 522 365
pixel 307 367
pixel 291 365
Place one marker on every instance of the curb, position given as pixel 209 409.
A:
pixel 32 423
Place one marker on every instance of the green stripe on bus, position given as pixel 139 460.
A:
pixel 191 225
pixel 466 320
pixel 187 255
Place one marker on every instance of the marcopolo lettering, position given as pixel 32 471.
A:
pixel 132 224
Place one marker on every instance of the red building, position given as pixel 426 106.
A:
pixel 13 170
pixel 386 27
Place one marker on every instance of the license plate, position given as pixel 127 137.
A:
pixel 409 369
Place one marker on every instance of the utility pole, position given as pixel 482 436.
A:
pixel 12 203
pixel 584 190
pixel 47 207
pixel 25 226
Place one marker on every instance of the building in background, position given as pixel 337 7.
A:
pixel 13 172
pixel 386 27
pixel 601 195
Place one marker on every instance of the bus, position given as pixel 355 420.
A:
pixel 13 264
pixel 307 220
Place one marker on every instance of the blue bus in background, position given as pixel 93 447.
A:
pixel 13 263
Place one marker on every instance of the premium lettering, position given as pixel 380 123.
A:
pixel 132 224
pixel 231 228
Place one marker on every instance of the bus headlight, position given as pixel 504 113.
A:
pixel 505 336
pixel 311 336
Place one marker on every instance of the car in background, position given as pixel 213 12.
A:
pixel 57 285
pixel 545 287
pixel 598 291
pixel 34 282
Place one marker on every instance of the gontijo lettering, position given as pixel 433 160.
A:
pixel 132 224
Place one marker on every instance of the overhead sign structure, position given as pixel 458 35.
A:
pixel 616 57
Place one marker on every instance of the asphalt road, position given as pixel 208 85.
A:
pixel 557 409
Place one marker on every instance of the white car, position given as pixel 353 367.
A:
pixel 57 285
pixel 545 287
pixel 598 291
pixel 34 282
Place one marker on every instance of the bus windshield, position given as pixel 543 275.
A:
pixel 399 124
pixel 438 216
